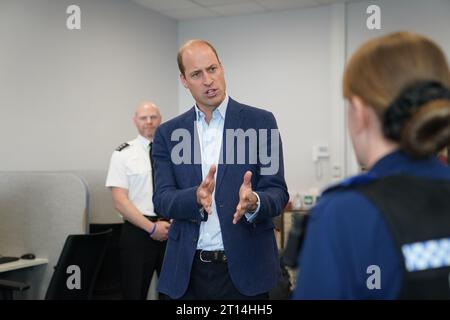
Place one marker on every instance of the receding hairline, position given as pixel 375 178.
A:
pixel 191 43
pixel 146 104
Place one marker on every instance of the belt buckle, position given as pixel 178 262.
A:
pixel 201 258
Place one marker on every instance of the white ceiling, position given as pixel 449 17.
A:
pixel 198 9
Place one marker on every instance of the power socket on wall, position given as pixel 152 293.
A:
pixel 320 151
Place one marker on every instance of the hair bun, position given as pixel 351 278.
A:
pixel 428 130
pixel 408 102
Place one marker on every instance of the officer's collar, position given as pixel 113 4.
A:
pixel 143 141
pixel 396 162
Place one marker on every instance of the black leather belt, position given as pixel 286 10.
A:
pixel 155 219
pixel 211 256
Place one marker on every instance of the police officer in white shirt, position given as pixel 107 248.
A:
pixel 144 234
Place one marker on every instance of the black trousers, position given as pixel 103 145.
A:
pixel 211 281
pixel 140 257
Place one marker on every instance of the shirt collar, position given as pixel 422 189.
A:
pixel 143 141
pixel 220 110
pixel 397 162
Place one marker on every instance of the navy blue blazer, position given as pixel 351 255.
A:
pixel 250 247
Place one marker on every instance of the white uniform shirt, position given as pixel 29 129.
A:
pixel 130 169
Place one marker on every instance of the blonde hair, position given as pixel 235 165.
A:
pixel 381 70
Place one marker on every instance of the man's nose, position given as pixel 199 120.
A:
pixel 208 79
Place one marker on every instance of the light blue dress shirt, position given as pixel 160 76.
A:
pixel 210 138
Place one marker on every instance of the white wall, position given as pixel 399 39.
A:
pixel 67 97
pixel 284 62
pixel 292 63
pixel 431 18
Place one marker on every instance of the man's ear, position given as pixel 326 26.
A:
pixel 360 112
pixel 183 80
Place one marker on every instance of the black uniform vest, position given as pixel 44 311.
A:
pixel 417 211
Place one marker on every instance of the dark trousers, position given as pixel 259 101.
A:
pixel 140 257
pixel 211 280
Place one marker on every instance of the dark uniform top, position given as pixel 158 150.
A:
pixel 347 234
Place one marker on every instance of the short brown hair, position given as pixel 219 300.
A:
pixel 189 43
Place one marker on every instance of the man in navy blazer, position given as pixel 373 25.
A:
pixel 219 175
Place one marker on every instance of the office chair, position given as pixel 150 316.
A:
pixel 7 288
pixel 77 268
pixel 108 285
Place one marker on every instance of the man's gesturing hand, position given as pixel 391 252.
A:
pixel 205 190
pixel 247 199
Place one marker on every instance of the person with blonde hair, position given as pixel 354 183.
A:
pixel 385 234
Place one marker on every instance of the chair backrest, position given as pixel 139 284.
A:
pixel 78 266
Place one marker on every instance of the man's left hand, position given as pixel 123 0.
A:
pixel 247 199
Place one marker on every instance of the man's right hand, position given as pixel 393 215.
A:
pixel 161 231
pixel 206 189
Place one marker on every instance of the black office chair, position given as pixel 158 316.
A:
pixel 77 269
pixel 108 285
pixel 7 288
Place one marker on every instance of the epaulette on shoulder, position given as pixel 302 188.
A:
pixel 354 181
pixel 122 146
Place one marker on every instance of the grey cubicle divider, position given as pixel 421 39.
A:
pixel 101 206
pixel 38 210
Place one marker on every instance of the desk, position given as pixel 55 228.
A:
pixel 22 263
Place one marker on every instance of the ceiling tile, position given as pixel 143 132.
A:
pixel 197 9
pixel 191 13
pixel 238 8
pixel 208 3
pixel 166 5
pixel 287 4
pixel 331 1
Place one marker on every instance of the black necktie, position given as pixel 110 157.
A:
pixel 153 168
pixel 153 177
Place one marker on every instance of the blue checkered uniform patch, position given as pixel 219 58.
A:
pixel 426 255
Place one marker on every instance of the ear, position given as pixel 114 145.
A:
pixel 359 113
pixel 183 81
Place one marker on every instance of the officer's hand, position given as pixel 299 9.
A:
pixel 247 199
pixel 161 231
pixel 205 190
